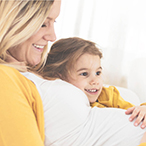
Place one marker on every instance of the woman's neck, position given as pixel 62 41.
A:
pixel 11 60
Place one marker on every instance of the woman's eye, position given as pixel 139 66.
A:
pixel 84 74
pixel 98 73
pixel 43 25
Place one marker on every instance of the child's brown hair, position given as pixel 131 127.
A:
pixel 63 55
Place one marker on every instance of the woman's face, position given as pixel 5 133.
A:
pixel 31 50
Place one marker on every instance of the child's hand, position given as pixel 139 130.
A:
pixel 138 112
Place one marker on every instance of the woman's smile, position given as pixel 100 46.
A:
pixel 39 48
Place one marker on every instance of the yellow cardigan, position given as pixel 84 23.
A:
pixel 21 110
pixel 142 144
pixel 110 97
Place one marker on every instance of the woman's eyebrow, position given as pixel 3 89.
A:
pixel 49 18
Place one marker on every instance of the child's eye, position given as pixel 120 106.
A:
pixel 84 74
pixel 98 73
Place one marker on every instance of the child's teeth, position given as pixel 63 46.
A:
pixel 92 90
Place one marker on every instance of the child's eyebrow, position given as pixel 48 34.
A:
pixel 81 69
pixel 87 69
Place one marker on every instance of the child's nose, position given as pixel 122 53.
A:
pixel 94 81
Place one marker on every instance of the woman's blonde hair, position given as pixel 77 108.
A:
pixel 63 55
pixel 19 20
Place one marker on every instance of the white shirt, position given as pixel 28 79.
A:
pixel 70 121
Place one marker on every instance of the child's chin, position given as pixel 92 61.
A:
pixel 92 101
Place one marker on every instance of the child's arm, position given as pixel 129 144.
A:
pixel 110 97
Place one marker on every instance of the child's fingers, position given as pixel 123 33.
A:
pixel 143 125
pixel 139 118
pixel 138 112
pixel 129 110
pixel 134 114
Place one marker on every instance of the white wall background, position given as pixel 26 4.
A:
pixel 119 28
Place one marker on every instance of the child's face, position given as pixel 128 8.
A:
pixel 86 75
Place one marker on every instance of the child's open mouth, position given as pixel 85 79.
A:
pixel 91 90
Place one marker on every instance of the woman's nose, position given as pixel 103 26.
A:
pixel 50 34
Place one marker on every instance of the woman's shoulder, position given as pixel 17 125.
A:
pixel 8 72
pixel 14 82
pixel 10 75
pixel 7 69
